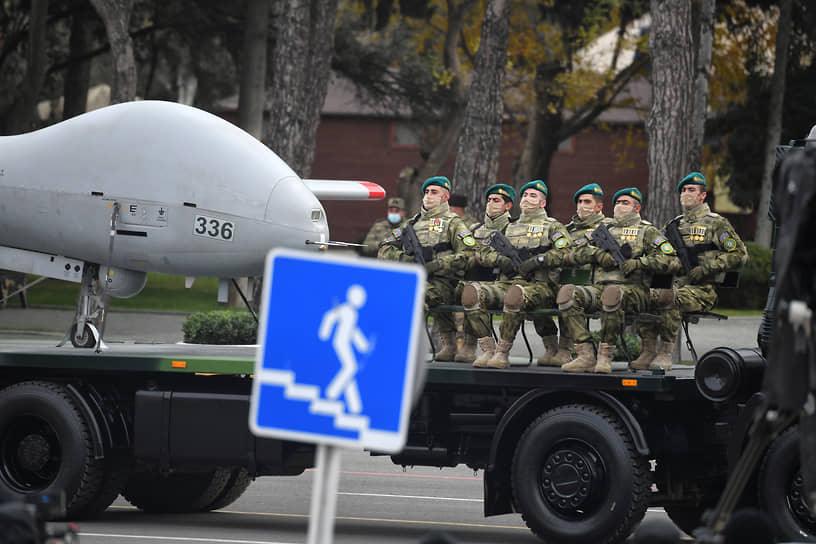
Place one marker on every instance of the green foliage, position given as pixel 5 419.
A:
pixel 753 284
pixel 632 344
pixel 220 327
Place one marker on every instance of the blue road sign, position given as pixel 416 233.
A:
pixel 337 350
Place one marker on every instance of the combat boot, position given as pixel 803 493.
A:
pixel 500 358
pixel 564 354
pixel 551 345
pixel 488 346
pixel 604 364
pixel 647 353
pixel 448 342
pixel 584 362
pixel 664 357
pixel 466 353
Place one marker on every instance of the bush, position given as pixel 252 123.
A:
pixel 753 283
pixel 632 344
pixel 220 327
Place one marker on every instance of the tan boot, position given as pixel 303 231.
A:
pixel 584 362
pixel 551 345
pixel 604 364
pixel 500 358
pixel 466 353
pixel 664 357
pixel 488 346
pixel 648 352
pixel 564 354
pixel 448 344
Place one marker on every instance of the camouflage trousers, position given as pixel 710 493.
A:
pixel 442 291
pixel 688 298
pixel 535 296
pixel 587 300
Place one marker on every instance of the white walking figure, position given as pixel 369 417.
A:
pixel 346 335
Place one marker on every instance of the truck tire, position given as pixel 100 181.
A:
pixel 46 447
pixel 781 490
pixel 238 482
pixel 177 492
pixel 577 477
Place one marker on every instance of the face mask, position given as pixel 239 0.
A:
pixel 584 212
pixel 528 204
pixel 623 209
pixel 431 201
pixel 494 209
pixel 688 200
pixel 394 218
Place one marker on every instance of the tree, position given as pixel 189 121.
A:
pixel 668 126
pixel 115 15
pixel 702 66
pixel 478 152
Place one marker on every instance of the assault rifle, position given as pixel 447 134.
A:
pixel 501 244
pixel 411 244
pixel 688 256
pixel 604 240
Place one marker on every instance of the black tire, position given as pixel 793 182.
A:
pixel 46 447
pixel 236 485
pixel 577 478
pixel 781 490
pixel 177 492
pixel 87 339
pixel 117 470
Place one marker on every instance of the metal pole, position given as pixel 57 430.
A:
pixel 324 495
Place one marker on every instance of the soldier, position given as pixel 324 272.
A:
pixel 713 248
pixel 499 201
pixel 588 215
pixel 458 203
pixel 542 242
pixel 617 289
pixel 382 227
pixel 446 245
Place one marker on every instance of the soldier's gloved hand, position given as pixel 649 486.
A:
pixel 529 265
pixel 432 266
pixel 697 273
pixel 505 264
pixel 630 265
pixel 605 260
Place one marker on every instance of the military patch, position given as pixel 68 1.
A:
pixel 397 233
pixel 469 241
pixel 729 244
pixel 561 243
pixel 697 234
pixel 667 248
pixel 659 240
pixel 557 235
pixel 629 235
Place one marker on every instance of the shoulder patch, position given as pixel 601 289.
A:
pixel 728 242
pixel 561 243
pixel 557 235
pixel 659 240
pixel 467 238
pixel 397 233
pixel 667 248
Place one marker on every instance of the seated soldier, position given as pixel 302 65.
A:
pixel 710 248
pixel 445 246
pixel 618 288
pixel 541 242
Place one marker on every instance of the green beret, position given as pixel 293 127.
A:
pixel 695 178
pixel 442 181
pixel 592 189
pixel 504 191
pixel 538 185
pixel 629 191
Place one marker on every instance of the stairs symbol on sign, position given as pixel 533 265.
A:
pixel 311 394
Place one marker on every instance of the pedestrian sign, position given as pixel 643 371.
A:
pixel 337 350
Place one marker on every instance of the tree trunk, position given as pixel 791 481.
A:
pixel 22 113
pixel 702 65
pixel 115 15
pixel 301 64
pixel 78 72
pixel 668 126
pixel 783 29
pixel 477 157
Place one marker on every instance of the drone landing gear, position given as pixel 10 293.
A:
pixel 89 319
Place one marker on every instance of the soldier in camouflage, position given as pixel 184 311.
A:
pixel 588 215
pixel 447 244
pixel 617 288
pixel 711 238
pixel 542 242
pixel 383 227
pixel 499 201
pixel 458 205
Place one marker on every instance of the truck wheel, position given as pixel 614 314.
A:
pixel 177 492
pixel 781 490
pixel 46 447
pixel 576 476
pixel 238 483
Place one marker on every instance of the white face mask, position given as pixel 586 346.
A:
pixel 528 204
pixel 431 201
pixel 584 212
pixel 494 209
pixel 623 209
pixel 688 200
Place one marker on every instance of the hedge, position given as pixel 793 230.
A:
pixel 753 283
pixel 220 327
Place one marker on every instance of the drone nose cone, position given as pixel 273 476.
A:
pixel 295 209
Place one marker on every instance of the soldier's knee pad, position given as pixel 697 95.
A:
pixel 470 296
pixel 665 297
pixel 565 297
pixel 611 298
pixel 514 298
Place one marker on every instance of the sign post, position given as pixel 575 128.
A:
pixel 336 360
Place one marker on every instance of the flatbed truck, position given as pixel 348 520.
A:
pixel 579 456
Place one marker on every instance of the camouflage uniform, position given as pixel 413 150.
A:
pixel 380 230
pixel 653 254
pixel 719 249
pixel 542 238
pixel 447 244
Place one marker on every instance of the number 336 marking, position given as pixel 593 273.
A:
pixel 212 227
